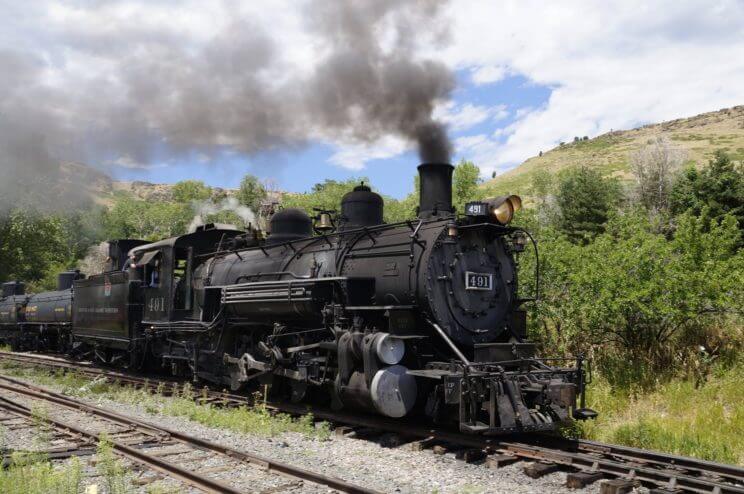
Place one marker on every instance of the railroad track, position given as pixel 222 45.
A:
pixel 148 445
pixel 586 461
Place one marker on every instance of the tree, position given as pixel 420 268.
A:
pixel 133 218
pixel 187 191
pixel 585 200
pixel 713 192
pixel 251 192
pixel 541 188
pixel 464 184
pixel 654 167
pixel 324 195
pixel 400 210
pixel 31 243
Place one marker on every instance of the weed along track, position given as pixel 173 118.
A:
pixel 619 468
pixel 197 463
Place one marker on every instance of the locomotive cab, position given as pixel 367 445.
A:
pixel 166 268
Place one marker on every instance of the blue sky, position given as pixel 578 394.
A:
pixel 161 91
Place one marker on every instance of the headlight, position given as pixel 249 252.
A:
pixel 504 207
pixel 504 212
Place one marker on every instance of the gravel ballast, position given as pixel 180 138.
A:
pixel 362 462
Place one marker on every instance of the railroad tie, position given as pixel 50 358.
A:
pixel 616 486
pixel 500 461
pixel 343 430
pixel 422 444
pixel 172 452
pixel 439 449
pixel 538 469
pixel 579 480
pixel 470 455
pixel 219 469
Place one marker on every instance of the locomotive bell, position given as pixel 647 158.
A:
pixel 324 223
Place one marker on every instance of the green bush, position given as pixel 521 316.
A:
pixel 640 303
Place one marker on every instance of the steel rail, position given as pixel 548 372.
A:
pixel 654 468
pixel 268 464
pixel 171 470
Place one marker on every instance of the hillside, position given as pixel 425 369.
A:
pixel 85 181
pixel 102 189
pixel 699 136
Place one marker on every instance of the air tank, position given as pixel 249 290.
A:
pixel 361 207
pixel 289 224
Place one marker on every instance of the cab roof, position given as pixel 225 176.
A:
pixel 204 238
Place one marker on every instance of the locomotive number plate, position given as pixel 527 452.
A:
pixel 476 209
pixel 478 281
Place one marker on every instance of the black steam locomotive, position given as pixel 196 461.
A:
pixel 418 317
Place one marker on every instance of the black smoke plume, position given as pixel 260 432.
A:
pixel 161 98
pixel 373 91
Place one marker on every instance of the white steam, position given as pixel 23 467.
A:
pixel 203 210
pixel 94 261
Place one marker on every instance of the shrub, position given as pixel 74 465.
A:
pixel 585 200
pixel 640 303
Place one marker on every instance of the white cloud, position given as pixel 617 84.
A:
pixel 467 115
pixel 127 161
pixel 612 64
pixel 479 148
pixel 354 155
pixel 488 74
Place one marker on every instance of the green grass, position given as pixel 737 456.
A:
pixel 705 422
pixel 31 473
pixel 688 137
pixel 115 477
pixel 256 420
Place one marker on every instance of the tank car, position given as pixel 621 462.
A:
pixel 421 317
pixel 12 311
pixel 48 316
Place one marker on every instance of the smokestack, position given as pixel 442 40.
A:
pixel 435 190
